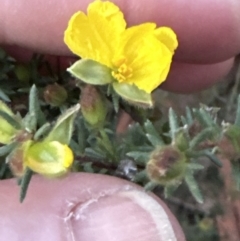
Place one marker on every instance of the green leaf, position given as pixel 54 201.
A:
pixel 152 134
pixel 105 143
pixel 4 150
pixel 93 153
pixel 35 115
pixel 133 95
pixel 202 136
pixel 4 96
pixel 62 130
pixel 10 119
pixel 193 187
pixel 212 157
pixel 82 135
pixel 139 156
pixel 91 72
pixel 87 167
pixel 173 122
pixel 189 116
pixel 25 180
pixel 170 189
pixel 204 118
pixel 43 130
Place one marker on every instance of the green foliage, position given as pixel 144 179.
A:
pixel 197 135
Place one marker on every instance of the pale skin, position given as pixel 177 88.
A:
pixel 209 40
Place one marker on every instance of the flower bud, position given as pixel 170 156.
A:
pixel 55 95
pixel 93 106
pixel 167 165
pixel 22 72
pixel 7 130
pixel 50 159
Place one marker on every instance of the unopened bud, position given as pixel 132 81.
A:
pixel 55 95
pixel 93 106
pixel 50 159
pixel 7 130
pixel 167 165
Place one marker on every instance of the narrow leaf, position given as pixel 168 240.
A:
pixel 43 130
pixel 10 119
pixel 4 150
pixel 204 135
pixel 62 130
pixel 35 114
pixel 141 157
pixel 193 187
pixel 4 97
pixel 25 183
pixel 212 158
pixel 189 116
pixel 152 134
pixel 173 122
pixel 82 135
pixel 204 118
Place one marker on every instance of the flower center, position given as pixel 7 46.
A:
pixel 121 70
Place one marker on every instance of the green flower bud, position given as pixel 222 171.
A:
pixel 55 95
pixel 22 72
pixel 7 129
pixel 167 165
pixel 93 106
pixel 50 159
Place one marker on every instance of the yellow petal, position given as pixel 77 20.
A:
pixel 49 158
pixel 148 59
pixel 96 35
pixel 167 37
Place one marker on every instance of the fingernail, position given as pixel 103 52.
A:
pixel 123 216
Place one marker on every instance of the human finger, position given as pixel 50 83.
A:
pixel 208 31
pixel 182 78
pixel 84 207
pixel 188 78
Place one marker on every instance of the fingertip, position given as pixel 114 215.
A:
pixel 188 78
pixel 84 207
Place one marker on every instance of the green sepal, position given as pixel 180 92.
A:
pixel 91 72
pixel 133 95
pixel 62 130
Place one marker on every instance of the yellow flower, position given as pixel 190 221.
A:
pixel 49 158
pixel 139 55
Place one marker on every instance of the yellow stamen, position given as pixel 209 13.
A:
pixel 122 71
